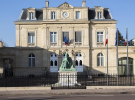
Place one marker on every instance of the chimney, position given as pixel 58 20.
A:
pixel 47 3
pixel 83 3
pixel 1 44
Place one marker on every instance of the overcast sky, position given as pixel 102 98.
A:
pixel 122 10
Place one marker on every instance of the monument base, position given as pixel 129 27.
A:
pixel 67 78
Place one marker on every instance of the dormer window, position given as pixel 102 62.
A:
pixel 31 16
pixel 99 15
pixel 53 15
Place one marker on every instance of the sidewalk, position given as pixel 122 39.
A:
pixel 69 92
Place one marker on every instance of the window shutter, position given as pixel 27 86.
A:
pixel 65 34
pixel 78 37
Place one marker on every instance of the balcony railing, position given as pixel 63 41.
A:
pixel 100 43
pixel 31 44
pixel 53 44
pixel 78 43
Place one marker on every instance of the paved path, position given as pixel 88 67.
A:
pixel 69 92
pixel 72 97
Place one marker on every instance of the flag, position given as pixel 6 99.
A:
pixel 66 40
pixel 126 40
pixel 116 39
pixel 106 38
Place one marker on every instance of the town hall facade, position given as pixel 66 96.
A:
pixel 40 45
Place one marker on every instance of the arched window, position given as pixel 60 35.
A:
pixel 31 60
pixel 76 63
pixel 100 59
pixel 53 60
pixel 78 59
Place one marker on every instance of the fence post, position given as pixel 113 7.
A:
pixel 68 81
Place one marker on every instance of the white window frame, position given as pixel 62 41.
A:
pixel 31 15
pixel 31 39
pixel 99 15
pixel 100 57
pixel 79 15
pixel 31 59
pixel 99 37
pixel 54 58
pixel 53 37
pixel 53 14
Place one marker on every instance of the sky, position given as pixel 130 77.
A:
pixel 122 10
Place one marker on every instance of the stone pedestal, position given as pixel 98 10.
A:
pixel 67 78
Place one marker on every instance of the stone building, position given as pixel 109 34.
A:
pixel 40 43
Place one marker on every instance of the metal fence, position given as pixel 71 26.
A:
pixel 66 81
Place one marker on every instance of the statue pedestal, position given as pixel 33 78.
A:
pixel 67 78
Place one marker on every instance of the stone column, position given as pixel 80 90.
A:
pixel 72 36
pixel 17 35
pixel 44 36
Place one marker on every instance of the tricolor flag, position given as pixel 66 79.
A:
pixel 126 40
pixel 66 40
pixel 106 38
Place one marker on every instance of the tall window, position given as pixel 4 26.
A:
pixel 99 36
pixel 78 37
pixel 99 15
pixel 78 15
pixel 31 37
pixel 52 15
pixel 65 34
pixel 53 36
pixel 31 60
pixel 31 15
pixel 100 59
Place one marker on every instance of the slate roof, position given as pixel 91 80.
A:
pixel 91 15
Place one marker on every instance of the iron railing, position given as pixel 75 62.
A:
pixel 66 81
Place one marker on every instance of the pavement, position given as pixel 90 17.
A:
pixel 68 92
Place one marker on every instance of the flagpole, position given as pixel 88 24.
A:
pixel 107 58
pixel 127 58
pixel 117 61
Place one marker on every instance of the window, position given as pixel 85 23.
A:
pixel 65 34
pixel 52 15
pixel 31 15
pixel 99 36
pixel 78 15
pixel 78 37
pixel 99 15
pixel 100 59
pixel 53 60
pixel 53 36
pixel 31 60
pixel 31 38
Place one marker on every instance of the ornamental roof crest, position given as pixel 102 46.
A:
pixel 65 5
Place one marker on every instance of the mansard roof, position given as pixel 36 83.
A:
pixel 91 14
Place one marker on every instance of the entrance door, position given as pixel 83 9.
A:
pixel 79 62
pixel 54 63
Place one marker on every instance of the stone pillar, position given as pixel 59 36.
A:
pixel 47 3
pixel 44 36
pixel 17 35
pixel 72 36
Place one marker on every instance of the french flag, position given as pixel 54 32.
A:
pixel 106 38
pixel 66 40
pixel 126 40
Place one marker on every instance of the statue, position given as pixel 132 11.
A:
pixel 67 64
